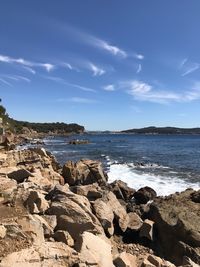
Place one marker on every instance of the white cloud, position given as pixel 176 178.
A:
pixel 82 100
pixel 114 50
pixel 183 62
pixel 69 66
pixel 139 56
pixel 25 63
pixel 144 92
pixel 31 70
pixel 190 69
pixel 96 70
pixel 109 87
pixel 139 69
pixel 5 82
pixel 64 82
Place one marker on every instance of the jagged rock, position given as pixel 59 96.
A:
pixel 47 254
pixel 177 226
pixel 94 250
pixel 125 260
pixel 143 195
pixel 187 262
pixel 147 229
pixel 121 190
pixel 73 213
pixel 91 191
pixel 33 226
pixel 158 262
pixel 7 185
pixel 48 228
pixel 19 175
pixel 84 172
pixel 65 237
pixel 105 215
pixel 36 203
pixel 135 222
pixel 119 211
pixel 51 220
pixel 195 196
pixel 2 231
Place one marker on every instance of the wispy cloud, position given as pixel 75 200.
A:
pixel 64 82
pixel 183 62
pixel 138 56
pixel 17 78
pixel 145 92
pixel 25 63
pixel 5 82
pixel 109 87
pixel 82 100
pixel 31 70
pixel 139 69
pixel 69 66
pixel 192 68
pixel 97 71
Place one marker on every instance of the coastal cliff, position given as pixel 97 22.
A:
pixel 52 215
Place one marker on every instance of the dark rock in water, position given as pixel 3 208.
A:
pixel 79 142
pixel 196 196
pixel 84 172
pixel 144 194
pixel 177 227
pixel 121 190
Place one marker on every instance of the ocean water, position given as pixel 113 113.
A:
pixel 167 163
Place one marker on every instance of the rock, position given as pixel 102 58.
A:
pixel 33 226
pixel 78 142
pixel 177 226
pixel 91 191
pixel 119 211
pixel 187 262
pixel 94 250
pixel 125 260
pixel 7 185
pixel 147 229
pixel 47 227
pixel 36 203
pixel 147 263
pixel 19 175
pixel 121 190
pixel 84 172
pixel 143 195
pixel 47 254
pixel 105 215
pixel 195 196
pixel 135 222
pixel 2 231
pixel 65 237
pixel 73 213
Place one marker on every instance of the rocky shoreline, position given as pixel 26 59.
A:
pixel 52 215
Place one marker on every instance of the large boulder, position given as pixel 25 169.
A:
pixel 47 254
pixel 73 212
pixel 94 250
pixel 122 191
pixel 125 259
pixel 91 191
pixel 177 226
pixel 144 194
pixel 135 222
pixel 84 172
pixel 36 202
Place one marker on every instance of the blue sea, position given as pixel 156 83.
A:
pixel 167 163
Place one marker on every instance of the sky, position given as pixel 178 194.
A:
pixel 107 65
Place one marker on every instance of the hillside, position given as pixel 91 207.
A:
pixel 163 130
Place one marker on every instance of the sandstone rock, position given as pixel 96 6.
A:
pixel 135 222
pixel 105 215
pixel 47 254
pixel 147 263
pixel 48 228
pixel 65 237
pixel 2 231
pixel 147 229
pixel 84 172
pixel 73 213
pixel 187 262
pixel 121 190
pixel 177 226
pixel 125 260
pixel 143 195
pixel 91 191
pixel 7 185
pixel 32 226
pixel 36 203
pixel 94 251
pixel 195 196
pixel 119 212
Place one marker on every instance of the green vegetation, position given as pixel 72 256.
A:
pixel 57 128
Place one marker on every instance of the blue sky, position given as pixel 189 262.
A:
pixel 108 65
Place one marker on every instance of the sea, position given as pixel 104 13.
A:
pixel 166 163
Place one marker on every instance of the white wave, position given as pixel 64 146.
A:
pixel 163 185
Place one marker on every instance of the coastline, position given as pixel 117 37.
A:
pixel 125 224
